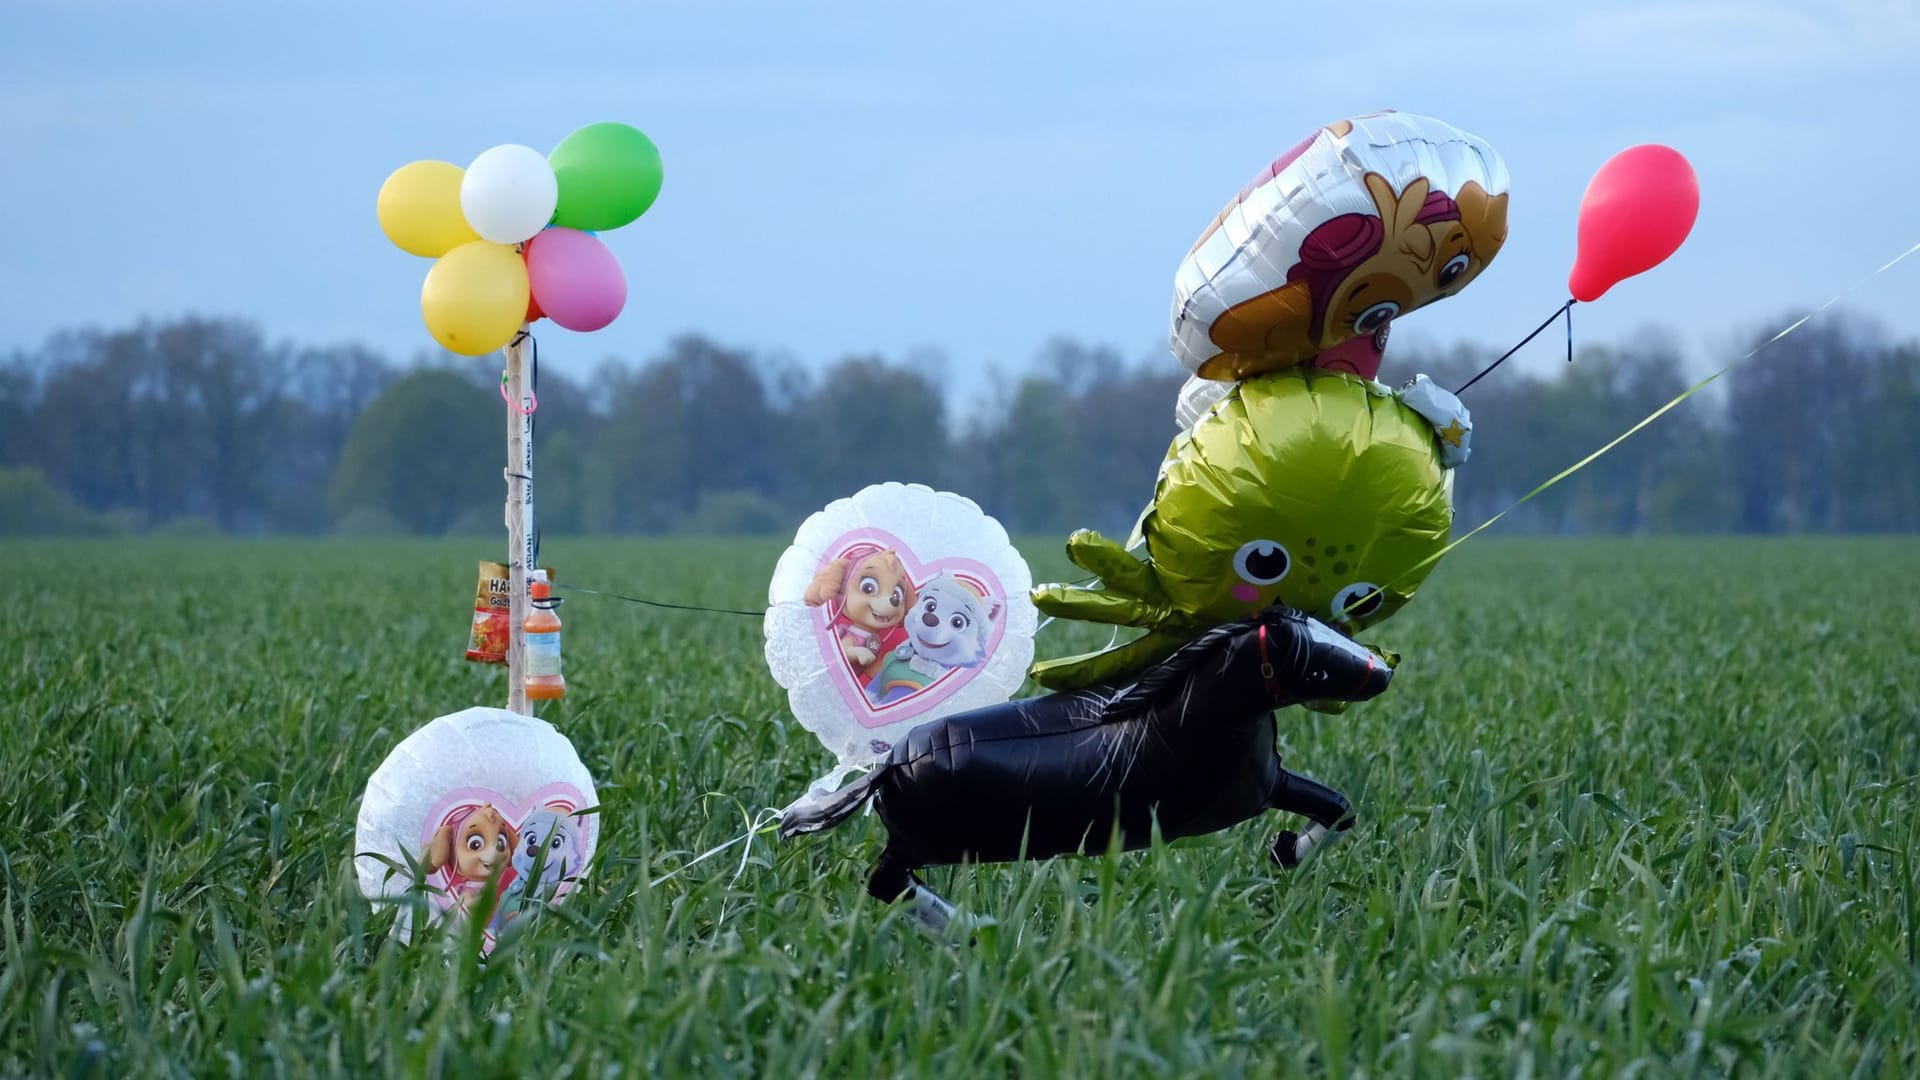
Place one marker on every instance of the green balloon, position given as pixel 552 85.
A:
pixel 1314 489
pixel 609 174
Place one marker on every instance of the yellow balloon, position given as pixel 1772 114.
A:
pixel 419 208
pixel 475 297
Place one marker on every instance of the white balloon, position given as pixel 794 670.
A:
pixel 1197 398
pixel 509 193
pixel 1265 288
pixel 848 630
pixel 469 796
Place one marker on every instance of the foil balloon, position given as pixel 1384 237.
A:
pixel 1360 223
pixel 1309 488
pixel 1184 750
pixel 486 812
pixel 894 607
pixel 1197 398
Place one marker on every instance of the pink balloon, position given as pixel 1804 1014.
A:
pixel 576 281
pixel 1639 208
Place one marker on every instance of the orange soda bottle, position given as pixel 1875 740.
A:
pixel 544 681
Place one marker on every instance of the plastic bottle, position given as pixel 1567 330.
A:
pixel 544 681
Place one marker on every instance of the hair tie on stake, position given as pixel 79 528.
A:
pixel 533 384
pixel 526 410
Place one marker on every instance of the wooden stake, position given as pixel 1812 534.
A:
pixel 519 516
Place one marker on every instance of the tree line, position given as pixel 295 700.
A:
pixel 200 425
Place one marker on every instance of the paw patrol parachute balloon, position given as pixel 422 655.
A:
pixel 893 608
pixel 1360 223
pixel 485 812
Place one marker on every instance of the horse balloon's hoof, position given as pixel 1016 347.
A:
pixel 1290 849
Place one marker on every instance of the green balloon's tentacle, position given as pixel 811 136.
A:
pixel 1096 605
pixel 1110 665
pixel 1117 569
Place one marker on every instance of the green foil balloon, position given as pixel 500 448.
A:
pixel 609 175
pixel 1309 488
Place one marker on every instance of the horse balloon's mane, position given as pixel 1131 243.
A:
pixel 1173 672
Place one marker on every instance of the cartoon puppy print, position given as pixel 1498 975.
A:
pixel 872 595
pixel 1357 272
pixel 948 629
pixel 474 843
pixel 552 841
pixel 553 834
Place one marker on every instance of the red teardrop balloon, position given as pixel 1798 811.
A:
pixel 1638 209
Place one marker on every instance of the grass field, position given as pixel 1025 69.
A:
pixel 1640 807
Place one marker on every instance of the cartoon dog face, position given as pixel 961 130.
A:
pixel 474 845
pixel 557 832
pixel 951 623
pixel 874 592
pixel 1358 272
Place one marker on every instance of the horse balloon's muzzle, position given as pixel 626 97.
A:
pixel 1347 669
pixel 1311 661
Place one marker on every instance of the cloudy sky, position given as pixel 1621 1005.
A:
pixel 884 177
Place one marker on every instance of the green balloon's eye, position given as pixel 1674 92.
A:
pixel 1357 601
pixel 1261 562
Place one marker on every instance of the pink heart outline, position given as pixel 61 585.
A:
pixel 449 888
pixel 840 670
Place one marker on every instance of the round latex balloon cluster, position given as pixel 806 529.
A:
pixel 515 233
pixel 484 811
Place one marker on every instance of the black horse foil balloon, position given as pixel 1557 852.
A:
pixel 1188 746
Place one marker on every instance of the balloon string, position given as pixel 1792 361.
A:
pixel 660 603
pixel 1565 309
pixel 766 821
pixel 1650 418
pixel 711 610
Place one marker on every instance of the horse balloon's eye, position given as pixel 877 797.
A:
pixel 1375 316
pixel 1357 601
pixel 1261 562
pixel 1452 269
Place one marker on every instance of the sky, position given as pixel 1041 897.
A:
pixel 896 178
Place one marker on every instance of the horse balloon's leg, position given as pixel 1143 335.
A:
pixel 892 876
pixel 1325 808
pixel 893 881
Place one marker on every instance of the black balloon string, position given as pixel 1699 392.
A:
pixel 688 607
pixel 660 603
pixel 1566 309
